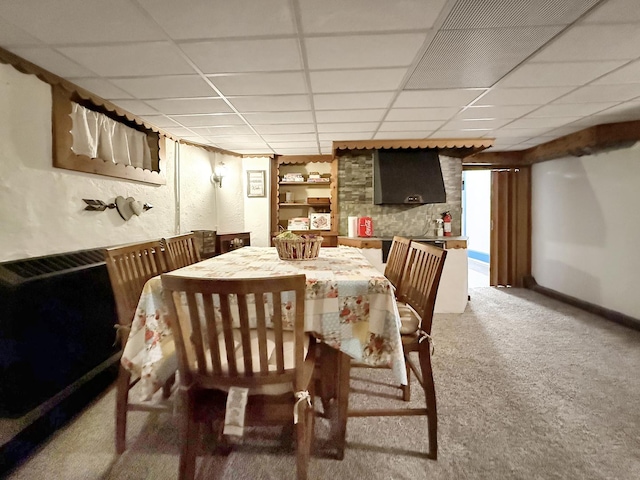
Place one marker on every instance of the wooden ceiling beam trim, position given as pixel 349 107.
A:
pixel 454 147
pixel 584 142
pixel 490 159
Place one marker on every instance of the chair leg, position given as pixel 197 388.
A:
pixel 122 400
pixel 168 385
pixel 189 441
pixel 430 396
pixel 304 434
pixel 406 389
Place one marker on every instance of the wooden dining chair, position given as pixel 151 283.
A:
pixel 181 250
pixel 416 300
pixel 252 348
pixel 396 260
pixel 129 267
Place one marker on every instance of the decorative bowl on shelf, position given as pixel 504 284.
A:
pixel 305 247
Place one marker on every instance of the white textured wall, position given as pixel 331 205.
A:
pixel 41 207
pixel 257 217
pixel 586 228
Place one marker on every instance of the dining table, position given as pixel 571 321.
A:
pixel 349 306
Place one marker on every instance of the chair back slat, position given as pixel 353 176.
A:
pixel 396 260
pixel 419 284
pixel 261 326
pixel 228 336
pixel 181 250
pixel 129 268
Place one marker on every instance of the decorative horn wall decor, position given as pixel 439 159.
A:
pixel 127 207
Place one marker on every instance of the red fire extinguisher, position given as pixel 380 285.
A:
pixel 446 218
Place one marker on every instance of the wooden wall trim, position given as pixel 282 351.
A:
pixel 585 142
pixel 609 314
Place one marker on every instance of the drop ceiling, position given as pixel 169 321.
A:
pixel 291 76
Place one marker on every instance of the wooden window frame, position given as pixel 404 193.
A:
pixel 64 157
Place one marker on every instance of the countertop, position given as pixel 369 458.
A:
pixel 376 242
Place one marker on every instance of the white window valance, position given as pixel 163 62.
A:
pixel 97 136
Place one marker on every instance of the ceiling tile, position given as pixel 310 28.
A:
pixel 101 87
pixel 507 13
pixel 136 107
pixel 53 61
pixel 129 60
pixel 245 55
pixel 411 134
pixel 593 42
pixel 224 130
pixel 337 16
pixel 614 11
pixel 272 103
pixel 298 137
pixel 208 120
pixel 166 86
pixel 570 109
pixel 341 116
pixel 457 97
pixel 410 126
pixel 364 80
pixel 347 127
pixel 284 128
pixel 336 101
pixel 417 114
pixel 159 121
pixel 279 117
pixel 630 73
pixel 10 35
pixel 485 124
pixel 82 21
pixel 179 131
pixel 345 136
pixel 190 105
pixel 277 145
pixel 272 83
pixel 363 51
pixel 521 96
pixel 491 111
pixel 620 113
pixel 481 56
pixel 601 93
pixel 201 19
pixel 508 132
pixel 541 122
pixel 557 74
pixel 455 134
pixel 298 151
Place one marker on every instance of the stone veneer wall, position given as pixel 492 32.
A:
pixel 355 198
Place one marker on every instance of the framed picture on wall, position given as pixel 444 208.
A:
pixel 256 183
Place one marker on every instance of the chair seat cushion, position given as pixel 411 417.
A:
pixel 288 353
pixel 409 320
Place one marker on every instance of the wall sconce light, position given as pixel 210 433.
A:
pixel 219 172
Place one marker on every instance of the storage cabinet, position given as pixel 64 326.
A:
pixel 312 199
pixel 230 241
pixel 205 242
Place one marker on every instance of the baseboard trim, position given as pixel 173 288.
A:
pixel 617 317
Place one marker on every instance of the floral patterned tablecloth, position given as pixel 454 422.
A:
pixel 349 305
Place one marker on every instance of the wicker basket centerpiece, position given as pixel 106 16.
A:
pixel 297 247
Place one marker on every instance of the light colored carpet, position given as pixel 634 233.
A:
pixel 527 387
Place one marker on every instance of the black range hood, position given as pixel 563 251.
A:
pixel 407 177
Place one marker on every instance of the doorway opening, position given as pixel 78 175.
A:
pixel 476 224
